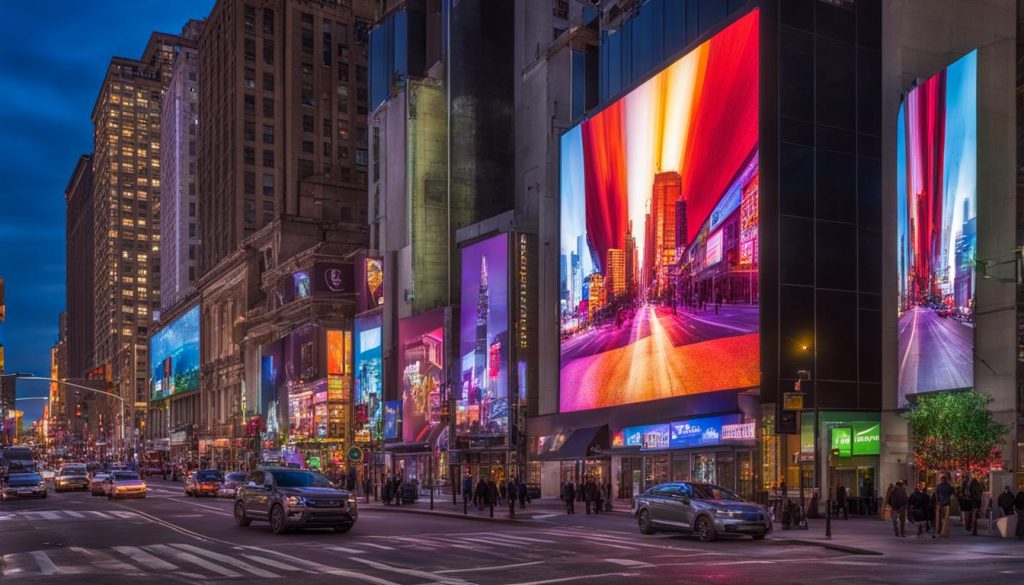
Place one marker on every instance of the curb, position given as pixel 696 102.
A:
pixel 828 545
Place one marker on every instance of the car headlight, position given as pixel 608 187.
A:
pixel 296 501
pixel 728 513
pixel 42 485
pixel 351 501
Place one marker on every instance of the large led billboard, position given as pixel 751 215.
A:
pixel 369 369
pixel 174 356
pixel 421 371
pixel 482 401
pixel 936 172
pixel 659 233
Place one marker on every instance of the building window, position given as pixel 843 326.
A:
pixel 361 134
pixel 268 51
pixel 268 158
pixel 268 107
pixel 268 21
pixel 307 146
pixel 342 152
pixel 307 123
pixel 361 156
pixel 307 42
pixel 250 210
pixel 268 82
pixel 342 130
pixel 191 209
pixel 343 72
pixel 249 104
pixel 250 49
pixel 249 130
pixel 305 168
pixel 191 230
pixel 268 185
pixel 307 95
pixel 250 155
pixel 191 251
pixel 249 17
pixel 327 148
pixel 268 134
pixel 360 73
pixel 249 181
pixel 250 78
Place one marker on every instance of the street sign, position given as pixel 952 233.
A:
pixel 792 401
pixel 355 454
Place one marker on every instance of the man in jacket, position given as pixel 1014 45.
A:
pixel 841 501
pixel 897 500
pixel 943 495
pixel 1018 503
pixel 570 498
pixel 467 489
pixel 919 503
pixel 974 493
pixel 1005 501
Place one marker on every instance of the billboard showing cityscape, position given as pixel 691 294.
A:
pixel 369 370
pixel 482 400
pixel 659 233
pixel 936 172
pixel 174 356
pixel 421 370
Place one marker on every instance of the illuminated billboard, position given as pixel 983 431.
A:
pixel 482 399
pixel 658 247
pixel 421 371
pixel 174 356
pixel 936 172
pixel 369 371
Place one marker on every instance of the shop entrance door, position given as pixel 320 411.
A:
pixel 725 470
pixel 657 470
pixel 630 476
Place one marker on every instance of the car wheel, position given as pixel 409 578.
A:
pixel 643 519
pixel 240 518
pixel 343 527
pixel 278 525
pixel 705 529
pixel 44 495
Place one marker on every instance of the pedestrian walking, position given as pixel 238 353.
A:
pixel 918 504
pixel 386 491
pixel 897 502
pixel 944 493
pixel 588 494
pixel 1018 504
pixel 1005 501
pixel 480 495
pixel 521 492
pixel 467 489
pixel 570 498
pixel 492 494
pixel 974 494
pixel 502 492
pixel 598 497
pixel 841 501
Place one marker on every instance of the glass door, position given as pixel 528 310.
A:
pixel 704 468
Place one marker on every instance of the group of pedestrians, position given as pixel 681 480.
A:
pixel 392 488
pixel 489 492
pixel 596 496
pixel 929 509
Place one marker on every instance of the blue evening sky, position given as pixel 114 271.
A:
pixel 55 55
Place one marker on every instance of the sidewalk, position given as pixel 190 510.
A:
pixel 870 535
pixel 535 510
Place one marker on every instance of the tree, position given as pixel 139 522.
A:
pixel 954 431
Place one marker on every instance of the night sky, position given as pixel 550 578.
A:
pixel 55 55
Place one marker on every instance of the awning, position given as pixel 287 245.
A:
pixel 434 438
pixel 582 443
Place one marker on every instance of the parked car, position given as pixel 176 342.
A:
pixel 23 485
pixel 232 480
pixel 96 484
pixel 72 477
pixel 124 484
pixel 704 509
pixel 48 474
pixel 16 460
pixel 205 482
pixel 294 498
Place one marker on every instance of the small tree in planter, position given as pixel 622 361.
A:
pixel 955 432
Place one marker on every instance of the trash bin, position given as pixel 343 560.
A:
pixel 1007 526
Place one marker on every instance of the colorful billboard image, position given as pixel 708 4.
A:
pixel 482 404
pixel 174 356
pixel 393 419
pixel 272 387
pixel 421 371
pixel 659 233
pixel 369 370
pixel 936 172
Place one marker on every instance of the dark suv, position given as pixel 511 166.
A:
pixel 294 498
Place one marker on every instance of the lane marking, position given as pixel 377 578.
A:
pixel 494 568
pixel 271 563
pixel 124 515
pixel 189 558
pixel 629 563
pixel 145 559
pixel 181 530
pixel 227 560
pixel 350 551
pixel 575 578
pixel 380 546
pixel 527 539
pixel 411 572
pixel 46 566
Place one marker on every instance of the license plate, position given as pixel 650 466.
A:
pixel 24 491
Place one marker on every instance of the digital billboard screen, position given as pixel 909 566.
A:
pixel 369 370
pixel 658 245
pixel 174 356
pixel 421 370
pixel 936 172
pixel 482 402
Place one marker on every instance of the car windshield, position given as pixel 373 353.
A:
pixel 208 475
pixel 125 475
pixel 100 476
pixel 17 454
pixel 73 471
pixel 300 479
pixel 236 476
pixel 18 479
pixel 707 491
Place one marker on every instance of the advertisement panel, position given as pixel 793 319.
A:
pixel 272 387
pixel 421 371
pixel 937 187
pixel 697 432
pixel 842 440
pixel 369 370
pixel 174 357
pixel 659 282
pixel 867 438
pixel 393 419
pixel 482 402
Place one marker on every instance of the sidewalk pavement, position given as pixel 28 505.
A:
pixel 535 510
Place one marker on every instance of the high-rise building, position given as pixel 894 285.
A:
pixel 483 306
pixel 178 213
pixel 615 274
pixel 284 84
pixel 596 298
pixel 126 191
pixel 79 247
pixel 630 261
pixel 666 191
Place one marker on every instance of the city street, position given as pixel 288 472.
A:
pixel 657 354
pixel 936 353
pixel 76 538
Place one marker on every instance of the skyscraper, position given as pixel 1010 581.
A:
pixel 630 264
pixel 480 345
pixel 615 273
pixel 666 191
pixel 79 240
pixel 126 191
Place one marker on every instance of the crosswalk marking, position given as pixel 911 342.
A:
pixel 382 547
pixel 50 515
pixel 225 559
pixel 190 558
pixel 98 513
pixel 321 568
pixel 145 559
pixel 105 561
pixel 629 563
pixel 124 515
pixel 527 539
pixel 74 514
pixel 46 565
pixel 350 551
pixel 271 563
pixel 405 571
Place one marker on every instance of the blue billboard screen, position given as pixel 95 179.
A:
pixel 174 357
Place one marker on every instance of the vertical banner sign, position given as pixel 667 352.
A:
pixel 842 441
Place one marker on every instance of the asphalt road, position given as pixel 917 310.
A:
pixel 166 538
pixel 936 353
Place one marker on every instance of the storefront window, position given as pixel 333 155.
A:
pixel 745 475
pixel 681 467
pixel 657 470
pixel 704 468
pixel 629 478
pixel 725 469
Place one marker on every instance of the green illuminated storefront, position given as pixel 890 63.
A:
pixel 848 451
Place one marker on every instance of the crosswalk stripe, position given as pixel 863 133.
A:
pixel 350 551
pixel 227 560
pixel 121 514
pixel 321 568
pixel 190 558
pixel 477 549
pixel 380 546
pixel 629 563
pixel 145 559
pixel 604 540
pixel 50 515
pixel 405 571
pixel 527 539
pixel 271 563
pixel 46 565
pixel 100 514
pixel 105 561
pixel 74 514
